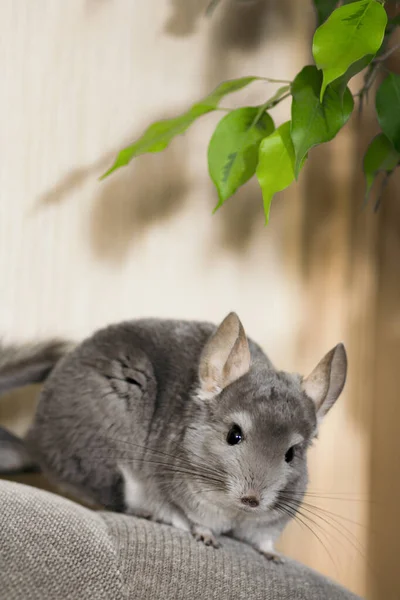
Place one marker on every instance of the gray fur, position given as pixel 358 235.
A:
pixel 30 363
pixel 15 456
pixel 21 366
pixel 123 422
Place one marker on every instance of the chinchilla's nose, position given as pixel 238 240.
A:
pixel 251 500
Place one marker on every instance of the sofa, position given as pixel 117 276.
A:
pixel 53 548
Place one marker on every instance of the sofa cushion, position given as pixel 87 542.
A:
pixel 53 548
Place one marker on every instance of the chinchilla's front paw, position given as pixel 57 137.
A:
pixel 278 559
pixel 205 535
pixel 140 514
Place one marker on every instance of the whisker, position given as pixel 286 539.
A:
pixel 182 460
pixel 168 468
pixel 334 515
pixel 348 535
pixel 356 546
pixel 340 497
pixel 179 456
pixel 293 514
pixel 322 509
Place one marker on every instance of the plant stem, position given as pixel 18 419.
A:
pixel 382 190
pixel 271 80
pixel 385 55
pixel 275 102
pixel 211 7
pixel 369 79
pixel 268 104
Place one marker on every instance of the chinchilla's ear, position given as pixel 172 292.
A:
pixel 326 382
pixel 225 357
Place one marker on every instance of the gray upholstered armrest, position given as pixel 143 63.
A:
pixel 51 548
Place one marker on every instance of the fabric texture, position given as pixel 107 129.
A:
pixel 52 548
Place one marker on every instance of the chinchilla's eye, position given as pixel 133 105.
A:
pixel 234 436
pixel 289 456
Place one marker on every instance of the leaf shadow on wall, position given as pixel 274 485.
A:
pixel 153 188
pixel 241 22
pixel 91 5
pixel 149 191
pixel 338 251
pixel 184 17
pixel 129 202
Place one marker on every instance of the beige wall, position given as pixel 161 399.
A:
pixel 82 78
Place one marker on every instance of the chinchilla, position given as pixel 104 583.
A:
pixel 185 423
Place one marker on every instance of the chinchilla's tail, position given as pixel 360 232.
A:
pixel 20 366
pixel 29 363
pixel 14 455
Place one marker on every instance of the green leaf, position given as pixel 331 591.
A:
pixel 275 169
pixel 233 148
pixel 159 135
pixel 314 122
pixel 380 156
pixel 324 8
pixel 223 89
pixel 350 33
pixel 388 108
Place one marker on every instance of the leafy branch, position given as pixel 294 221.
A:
pixel 350 38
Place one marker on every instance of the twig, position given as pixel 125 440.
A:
pixel 369 80
pixel 275 102
pixel 271 80
pixel 381 191
pixel 268 104
pixel 211 7
pixel 373 69
pixel 385 55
